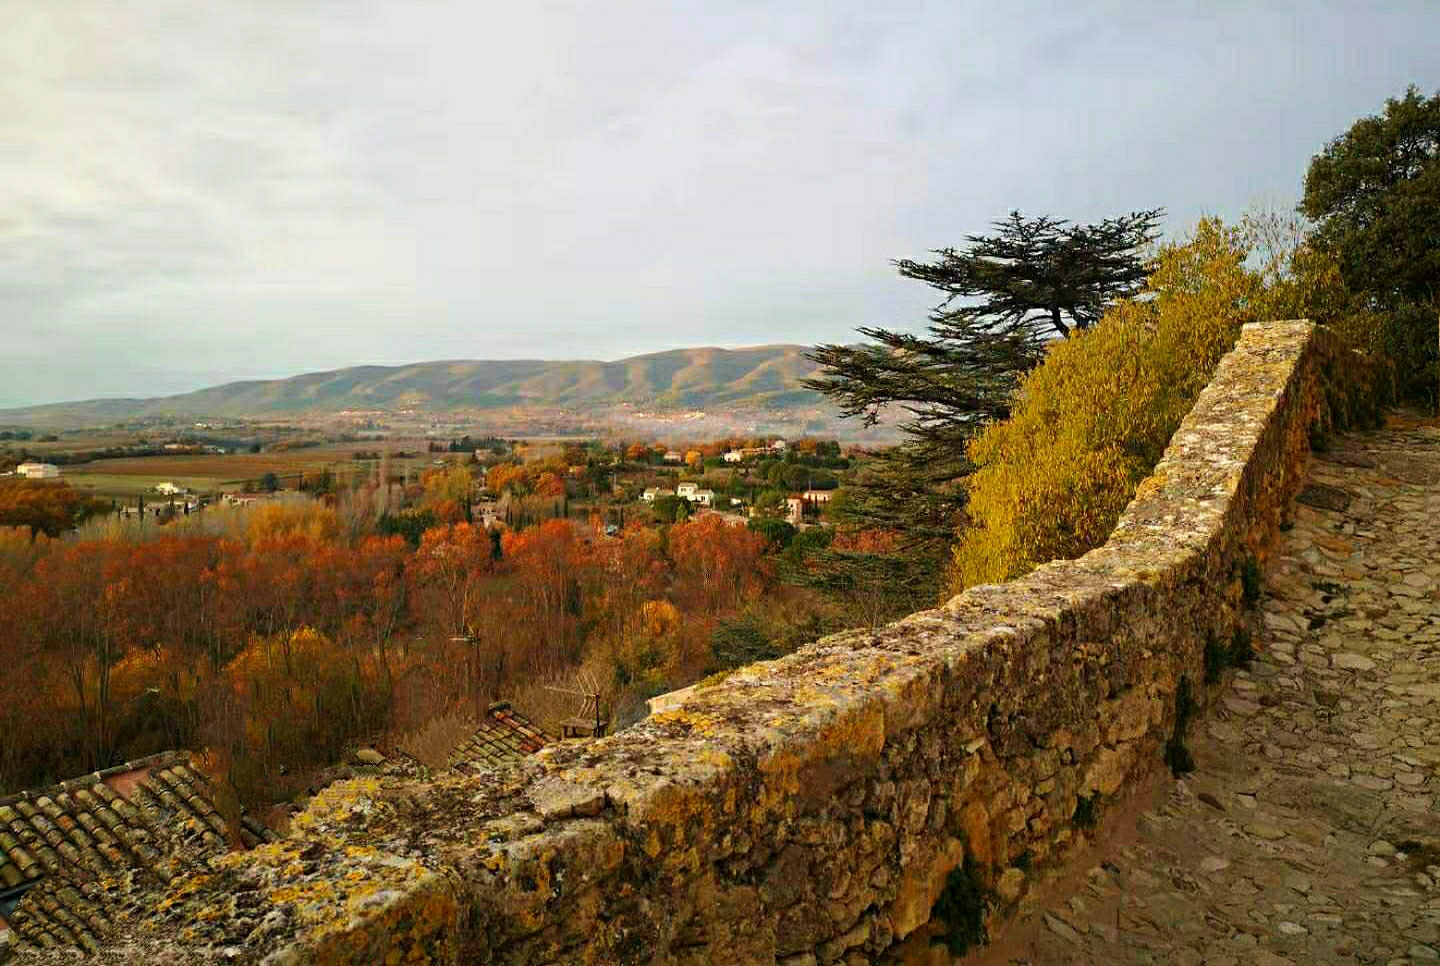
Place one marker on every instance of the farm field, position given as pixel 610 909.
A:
pixel 131 477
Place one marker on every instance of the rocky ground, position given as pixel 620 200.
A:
pixel 1309 831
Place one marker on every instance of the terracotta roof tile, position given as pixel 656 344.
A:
pixel 503 737
pixel 71 845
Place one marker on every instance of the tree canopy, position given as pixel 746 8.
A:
pixel 1374 193
pixel 42 506
pixel 1006 296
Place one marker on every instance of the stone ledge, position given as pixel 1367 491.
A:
pixel 812 807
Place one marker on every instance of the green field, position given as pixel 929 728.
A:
pixel 211 474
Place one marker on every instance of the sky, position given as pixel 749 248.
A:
pixel 194 191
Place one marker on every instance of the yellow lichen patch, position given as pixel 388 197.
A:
pixel 339 802
pixel 715 758
pixel 312 891
pixel 269 854
pixel 183 889
pixel 694 721
pixel 673 806
pixel 415 925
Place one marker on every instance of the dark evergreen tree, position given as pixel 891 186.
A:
pixel 1006 295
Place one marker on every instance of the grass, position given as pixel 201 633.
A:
pixel 962 907
pixel 1250 581
pixel 1087 811
pixel 1177 755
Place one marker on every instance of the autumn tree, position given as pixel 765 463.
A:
pixel 447 493
pixel 547 561
pixel 43 506
pixel 716 564
pixel 75 594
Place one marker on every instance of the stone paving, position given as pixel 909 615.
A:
pixel 1309 831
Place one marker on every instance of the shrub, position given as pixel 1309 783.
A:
pixel 1177 755
pixel 1094 418
pixel 777 533
pixel 1087 811
pixel 735 643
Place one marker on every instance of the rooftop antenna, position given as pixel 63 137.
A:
pixel 589 721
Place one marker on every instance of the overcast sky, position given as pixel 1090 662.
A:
pixel 193 191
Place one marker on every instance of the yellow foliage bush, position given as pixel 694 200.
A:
pixel 306 518
pixel 1094 418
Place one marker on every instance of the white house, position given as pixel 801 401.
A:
pixel 704 497
pixel 794 510
pixel 654 493
pixel 778 446
pixel 169 489
pixel 687 491
pixel 38 471
pixel 674 456
pixel 734 456
pixel 818 496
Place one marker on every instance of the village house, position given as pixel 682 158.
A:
pixel 169 489
pixel 818 496
pixel 794 510
pixel 654 493
pixel 693 493
pixel 674 456
pixel 734 456
pixel 244 499
pixel 38 471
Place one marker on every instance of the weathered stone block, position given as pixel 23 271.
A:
pixel 920 886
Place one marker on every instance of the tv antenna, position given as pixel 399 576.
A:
pixel 589 721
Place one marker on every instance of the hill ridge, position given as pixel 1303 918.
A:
pixel 701 377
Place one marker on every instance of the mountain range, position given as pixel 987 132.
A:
pixel 749 379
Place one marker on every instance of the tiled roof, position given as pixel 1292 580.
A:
pixel 504 736
pixel 65 849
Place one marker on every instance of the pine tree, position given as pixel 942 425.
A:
pixel 1006 295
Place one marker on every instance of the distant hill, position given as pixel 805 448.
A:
pixel 762 377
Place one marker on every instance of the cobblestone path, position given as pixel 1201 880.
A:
pixel 1309 831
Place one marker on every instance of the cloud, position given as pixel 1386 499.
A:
pixel 205 189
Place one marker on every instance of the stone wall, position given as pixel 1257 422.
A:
pixel 810 809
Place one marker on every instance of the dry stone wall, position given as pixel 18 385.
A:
pixel 812 809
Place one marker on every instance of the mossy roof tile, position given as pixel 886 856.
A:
pixel 76 841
